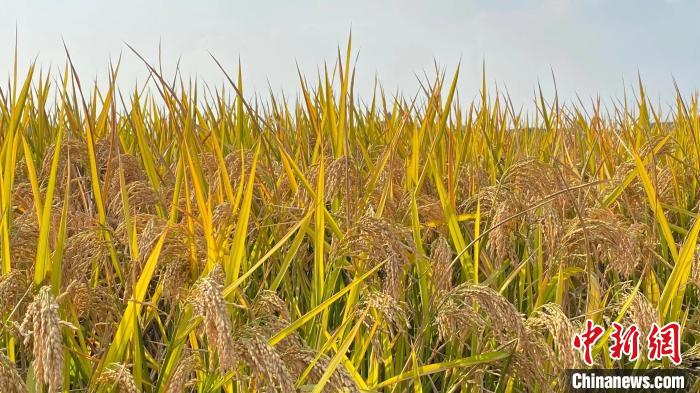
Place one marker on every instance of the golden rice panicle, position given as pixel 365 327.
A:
pixel 393 271
pixel 130 168
pixel 691 358
pixel 505 324
pixel 22 197
pixel 173 263
pixel 183 377
pixel 393 314
pixel 454 316
pixel 207 299
pixel 118 376
pixel 152 230
pixel 174 275
pixel 695 270
pixel 141 198
pixel 267 303
pixel 10 380
pixel 125 165
pixel 343 177
pixel 73 149
pixel 642 313
pixel 441 264
pixel 82 250
pixel 610 238
pixel 42 323
pixel 98 304
pixel 24 241
pixel 532 181
pixel 223 218
pixel 266 366
pixel 378 240
pixel 523 185
pixel 505 319
pixel 270 317
pixel 299 359
pixel 388 315
pixel 13 286
pixel 551 318
pixel 148 238
pixel 529 362
pixel 339 173
pixel 501 239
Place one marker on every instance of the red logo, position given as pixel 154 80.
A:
pixel 584 341
pixel 665 342
pixel 662 342
pixel 624 342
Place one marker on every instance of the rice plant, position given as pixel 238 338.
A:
pixel 176 238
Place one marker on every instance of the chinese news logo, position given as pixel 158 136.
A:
pixel 661 342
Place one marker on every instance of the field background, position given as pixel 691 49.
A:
pixel 176 237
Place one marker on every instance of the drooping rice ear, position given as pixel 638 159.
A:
pixel 298 360
pixel 453 317
pixel 530 363
pixel 267 303
pixel 610 238
pixel 266 365
pixel 184 374
pixel 551 319
pixel 119 376
pixel 691 358
pixel 131 168
pixel 392 315
pixel 22 197
pixel 81 252
pixel 24 241
pixel 13 286
pixel 142 200
pixel 441 265
pixel 642 313
pixel 695 270
pixel 42 324
pixel 96 305
pixel 208 302
pixel 10 379
pixel 223 217
pixel 73 148
pixel 505 320
pixel 501 240
pixel 175 275
pixel 377 240
pixel 342 179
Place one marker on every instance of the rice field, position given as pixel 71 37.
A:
pixel 174 238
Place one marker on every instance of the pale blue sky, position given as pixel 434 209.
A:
pixel 594 47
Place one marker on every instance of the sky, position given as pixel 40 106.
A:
pixel 592 47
